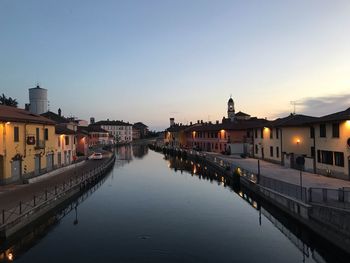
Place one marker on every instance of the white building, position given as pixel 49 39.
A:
pixel 121 131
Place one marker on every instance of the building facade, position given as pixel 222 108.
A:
pixel 121 131
pixel 97 136
pixel 27 144
pixel 332 144
pixel 139 131
pixel 282 141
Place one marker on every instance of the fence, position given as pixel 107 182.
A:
pixel 43 200
pixel 332 197
pixel 292 190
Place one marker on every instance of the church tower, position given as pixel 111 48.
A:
pixel 231 109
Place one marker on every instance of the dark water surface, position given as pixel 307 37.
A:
pixel 152 208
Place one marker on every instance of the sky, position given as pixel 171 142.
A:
pixel 151 60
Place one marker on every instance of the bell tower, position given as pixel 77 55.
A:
pixel 231 109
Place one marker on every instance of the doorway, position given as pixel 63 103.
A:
pixel 37 164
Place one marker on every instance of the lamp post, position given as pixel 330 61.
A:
pixel 301 161
pixel 258 179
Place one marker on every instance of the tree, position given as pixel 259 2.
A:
pixel 8 101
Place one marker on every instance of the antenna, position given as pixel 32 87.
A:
pixel 293 103
pixel 48 105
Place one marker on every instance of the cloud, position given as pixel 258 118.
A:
pixel 320 106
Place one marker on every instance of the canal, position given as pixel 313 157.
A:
pixel 156 208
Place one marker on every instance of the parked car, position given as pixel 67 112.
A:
pixel 97 156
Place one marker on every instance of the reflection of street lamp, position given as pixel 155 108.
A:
pixel 75 222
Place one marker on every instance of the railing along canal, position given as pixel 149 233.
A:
pixel 39 202
pixel 339 198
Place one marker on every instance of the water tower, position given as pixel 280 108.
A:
pixel 38 100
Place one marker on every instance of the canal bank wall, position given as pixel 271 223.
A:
pixel 332 224
pixel 25 214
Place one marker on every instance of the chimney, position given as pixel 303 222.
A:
pixel 59 112
pixel 197 121
pixel 201 121
pixel 92 120
pixel 191 123
pixel 172 122
pixel 217 122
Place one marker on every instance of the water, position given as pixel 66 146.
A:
pixel 156 209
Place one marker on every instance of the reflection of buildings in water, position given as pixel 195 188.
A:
pixel 124 152
pixel 290 229
pixel 203 172
pixel 25 240
pixel 139 150
pixel 293 231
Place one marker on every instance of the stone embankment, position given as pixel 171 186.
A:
pixel 27 211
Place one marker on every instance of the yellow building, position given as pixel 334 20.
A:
pixel 283 140
pixel 332 144
pixel 175 136
pixel 27 144
pixel 65 146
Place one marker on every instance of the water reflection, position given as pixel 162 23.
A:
pixel 155 214
pixel 25 240
pixel 308 243
pixel 139 150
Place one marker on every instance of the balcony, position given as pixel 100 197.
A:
pixel 40 144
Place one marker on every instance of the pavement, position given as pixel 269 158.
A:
pixel 279 172
pixel 11 195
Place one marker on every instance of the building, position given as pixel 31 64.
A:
pixel 82 146
pixel 283 140
pixel 139 131
pixel 332 144
pixel 66 129
pixel 232 137
pixel 68 123
pixel 175 135
pixel 37 100
pixel 97 136
pixel 65 146
pixel 121 131
pixel 27 144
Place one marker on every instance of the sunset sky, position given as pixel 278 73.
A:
pixel 150 60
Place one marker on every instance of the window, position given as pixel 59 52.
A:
pixel 323 131
pixel 66 140
pixel 262 133
pixel 256 133
pixel 277 152
pixel 256 148
pixel 16 134
pixel 312 132
pixel 271 151
pixel 46 134
pixel 335 130
pixel 325 157
pixel 339 159
pixel 59 142
pixel 277 133
pixel 271 133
